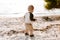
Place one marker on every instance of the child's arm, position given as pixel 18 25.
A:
pixel 32 17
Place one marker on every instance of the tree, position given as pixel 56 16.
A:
pixel 51 4
pixel 58 4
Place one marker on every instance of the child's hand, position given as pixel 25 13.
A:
pixel 34 19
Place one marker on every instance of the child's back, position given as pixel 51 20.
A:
pixel 29 17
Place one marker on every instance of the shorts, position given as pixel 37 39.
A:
pixel 28 26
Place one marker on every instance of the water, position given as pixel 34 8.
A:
pixel 22 14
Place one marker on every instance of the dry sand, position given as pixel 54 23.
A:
pixel 10 29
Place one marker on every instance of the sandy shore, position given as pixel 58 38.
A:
pixel 10 29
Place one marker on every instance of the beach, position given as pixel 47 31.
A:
pixel 10 29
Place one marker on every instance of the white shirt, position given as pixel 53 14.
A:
pixel 27 18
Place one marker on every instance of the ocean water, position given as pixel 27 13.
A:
pixel 22 14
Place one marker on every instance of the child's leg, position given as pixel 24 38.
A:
pixel 27 30
pixel 31 29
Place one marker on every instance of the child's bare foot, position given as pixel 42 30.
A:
pixel 31 35
pixel 26 34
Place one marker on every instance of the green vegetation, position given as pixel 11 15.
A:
pixel 51 4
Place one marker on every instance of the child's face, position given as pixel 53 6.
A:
pixel 30 9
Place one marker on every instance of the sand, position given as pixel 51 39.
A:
pixel 10 29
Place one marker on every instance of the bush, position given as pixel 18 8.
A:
pixel 50 4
